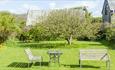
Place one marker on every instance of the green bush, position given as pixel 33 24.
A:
pixel 11 42
pixel 110 33
pixel 8 26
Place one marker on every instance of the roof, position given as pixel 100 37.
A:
pixel 111 4
pixel 35 16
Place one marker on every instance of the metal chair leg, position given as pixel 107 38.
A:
pixel 40 63
pixel 80 63
pixel 59 60
pixel 28 64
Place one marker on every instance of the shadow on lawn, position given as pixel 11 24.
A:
pixel 26 65
pixel 95 44
pixel 43 45
pixel 65 45
pixel 83 66
pixel 108 44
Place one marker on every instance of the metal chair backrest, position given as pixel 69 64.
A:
pixel 29 53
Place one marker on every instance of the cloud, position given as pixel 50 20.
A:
pixel 18 11
pixel 88 4
pixel 4 2
pixel 24 8
pixel 32 7
pixel 52 5
pixel 93 6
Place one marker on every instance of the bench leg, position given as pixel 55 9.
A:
pixel 108 65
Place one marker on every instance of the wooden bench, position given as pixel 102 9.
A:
pixel 94 54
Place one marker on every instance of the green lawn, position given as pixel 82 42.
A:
pixel 14 58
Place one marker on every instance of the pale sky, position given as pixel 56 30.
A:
pixel 22 6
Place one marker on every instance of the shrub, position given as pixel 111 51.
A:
pixel 11 42
pixel 110 33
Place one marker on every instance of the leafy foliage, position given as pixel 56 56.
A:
pixel 110 32
pixel 10 25
pixel 7 25
pixel 66 24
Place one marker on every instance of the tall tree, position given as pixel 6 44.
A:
pixel 7 25
pixel 70 23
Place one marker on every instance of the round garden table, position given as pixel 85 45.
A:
pixel 54 55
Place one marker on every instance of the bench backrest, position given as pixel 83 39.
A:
pixel 93 54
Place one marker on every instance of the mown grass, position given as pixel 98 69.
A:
pixel 14 58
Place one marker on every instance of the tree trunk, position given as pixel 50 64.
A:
pixel 69 39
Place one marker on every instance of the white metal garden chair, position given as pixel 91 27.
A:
pixel 33 58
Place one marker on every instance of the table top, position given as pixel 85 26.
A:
pixel 54 52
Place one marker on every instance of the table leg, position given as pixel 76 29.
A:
pixel 59 60
pixel 50 58
pixel 54 58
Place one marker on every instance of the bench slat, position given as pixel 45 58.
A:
pixel 93 54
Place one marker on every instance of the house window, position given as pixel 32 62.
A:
pixel 111 11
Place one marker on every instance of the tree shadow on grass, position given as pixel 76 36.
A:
pixel 83 66
pixel 20 65
pixel 42 64
pixel 64 45
pixel 56 45
pixel 108 44
pixel 43 45
pixel 26 65
pixel 95 44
